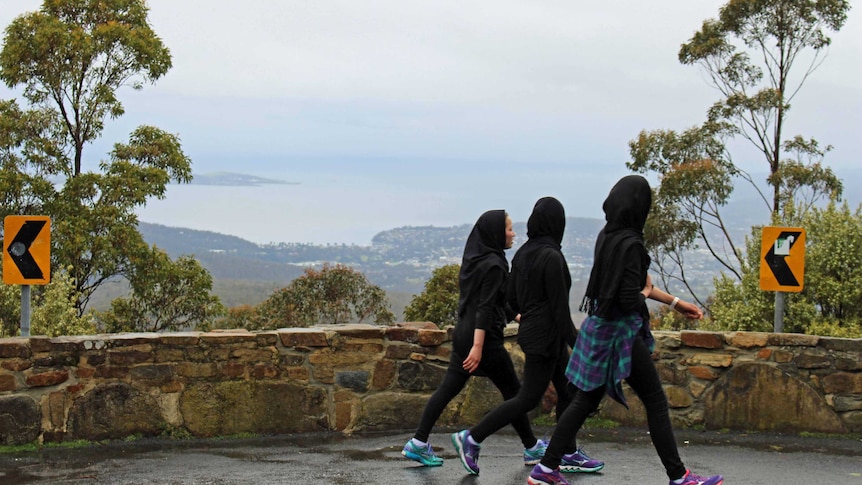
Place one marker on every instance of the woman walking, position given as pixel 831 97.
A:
pixel 477 342
pixel 615 342
pixel 539 290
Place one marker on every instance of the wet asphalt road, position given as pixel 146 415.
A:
pixel 750 459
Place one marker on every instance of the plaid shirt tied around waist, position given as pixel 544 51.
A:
pixel 603 353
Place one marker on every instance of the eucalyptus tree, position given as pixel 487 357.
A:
pixel 71 59
pixel 758 55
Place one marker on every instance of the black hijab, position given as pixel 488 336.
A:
pixel 626 209
pixel 545 229
pixel 485 248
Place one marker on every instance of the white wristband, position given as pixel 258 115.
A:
pixel 674 302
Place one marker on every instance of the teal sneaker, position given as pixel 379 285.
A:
pixel 533 456
pixel 424 455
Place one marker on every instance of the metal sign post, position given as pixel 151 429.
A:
pixel 25 310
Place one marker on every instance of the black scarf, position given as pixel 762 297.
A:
pixel 485 248
pixel 626 209
pixel 545 229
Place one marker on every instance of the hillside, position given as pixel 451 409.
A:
pixel 399 260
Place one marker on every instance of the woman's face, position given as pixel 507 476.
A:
pixel 510 233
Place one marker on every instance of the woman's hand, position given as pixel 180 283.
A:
pixel 648 287
pixel 689 310
pixel 471 363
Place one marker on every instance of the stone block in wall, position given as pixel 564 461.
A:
pixel 152 375
pixel 228 408
pixel 667 340
pixel 266 339
pixel 180 339
pixel 420 376
pixel 812 360
pixel 8 382
pixel 63 359
pixel 793 340
pixel 262 370
pixel 748 340
pixel 360 346
pixel 677 397
pixel 671 373
pixel 327 362
pixel 120 340
pixel 853 420
pixel 782 356
pixel 168 355
pixel 20 420
pixel 345 403
pixel 233 337
pixel 57 402
pixel 848 361
pixel 390 411
pixel 254 354
pixel 16 365
pixel 842 383
pixel 131 356
pixel 432 338
pixel 842 344
pixel 232 370
pixel 847 403
pixel 712 360
pixel 56 345
pixel 635 415
pixel 408 331
pixel 195 370
pixel 399 351
pixel 703 372
pixel 384 374
pixel 355 380
pixel 480 397
pixel 760 396
pixel 47 378
pixel 14 347
pixel 302 338
pixel 114 411
pixel 360 331
pixel 703 340
pixel 297 374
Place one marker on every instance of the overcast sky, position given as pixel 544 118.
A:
pixel 416 99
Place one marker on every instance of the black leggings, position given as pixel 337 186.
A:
pixel 539 371
pixel 644 380
pixel 497 365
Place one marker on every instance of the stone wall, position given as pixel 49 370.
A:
pixel 363 377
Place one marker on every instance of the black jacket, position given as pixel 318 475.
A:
pixel 482 285
pixel 540 283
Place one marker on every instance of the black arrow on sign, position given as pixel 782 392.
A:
pixel 777 264
pixel 19 249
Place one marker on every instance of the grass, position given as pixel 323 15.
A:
pixel 591 423
pixel 31 447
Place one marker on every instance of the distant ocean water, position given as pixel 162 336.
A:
pixel 348 202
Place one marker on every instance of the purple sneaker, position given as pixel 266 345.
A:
pixel 691 479
pixel 579 462
pixel 468 453
pixel 539 477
